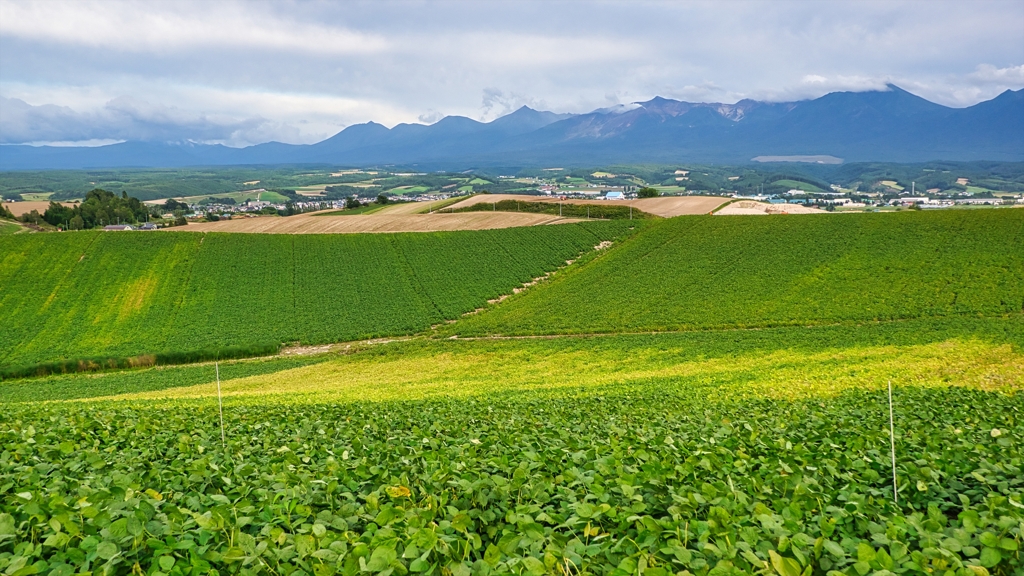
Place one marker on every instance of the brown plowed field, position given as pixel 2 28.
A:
pixel 665 206
pixel 380 222
pixel 19 208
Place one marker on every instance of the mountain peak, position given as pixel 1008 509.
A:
pixel 889 124
pixel 525 119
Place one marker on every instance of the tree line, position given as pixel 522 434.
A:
pixel 100 208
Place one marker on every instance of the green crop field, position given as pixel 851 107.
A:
pixel 409 190
pixel 700 453
pixel 366 209
pixel 94 294
pixel 743 428
pixel 797 185
pixel 697 273
pixel 8 228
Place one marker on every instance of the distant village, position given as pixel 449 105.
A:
pixel 382 186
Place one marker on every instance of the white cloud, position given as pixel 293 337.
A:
pixel 430 116
pixel 133 26
pixel 815 85
pixel 91 143
pixel 120 119
pixel 242 72
pixel 989 74
pixel 199 113
pixel 497 103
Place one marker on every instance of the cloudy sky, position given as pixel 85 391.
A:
pixel 246 72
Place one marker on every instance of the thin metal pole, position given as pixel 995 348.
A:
pixel 220 403
pixel 892 444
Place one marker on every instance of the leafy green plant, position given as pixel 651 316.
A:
pixel 627 479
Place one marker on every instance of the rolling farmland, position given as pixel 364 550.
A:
pixel 88 295
pixel 751 436
pixel 702 273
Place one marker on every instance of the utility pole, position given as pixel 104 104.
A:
pixel 220 405
pixel 892 444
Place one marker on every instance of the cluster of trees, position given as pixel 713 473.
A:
pixel 99 208
pixel 342 191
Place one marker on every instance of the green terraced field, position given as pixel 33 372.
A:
pixel 695 272
pixel 97 294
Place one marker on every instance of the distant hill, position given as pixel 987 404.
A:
pixel 891 125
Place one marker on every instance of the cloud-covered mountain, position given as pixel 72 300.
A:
pixel 889 125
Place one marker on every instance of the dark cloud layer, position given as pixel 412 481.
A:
pixel 245 72
pixel 119 119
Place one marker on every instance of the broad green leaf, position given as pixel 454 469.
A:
pixel 865 553
pixel 990 557
pixel 106 550
pixel 492 555
pixel 381 558
pixel 533 566
pixel 835 549
pixel 784 566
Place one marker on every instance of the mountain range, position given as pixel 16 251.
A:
pixel 888 125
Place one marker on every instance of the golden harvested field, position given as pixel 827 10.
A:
pixel 666 206
pixel 410 207
pixel 380 222
pixel 19 208
pixel 750 207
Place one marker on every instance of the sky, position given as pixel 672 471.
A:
pixel 241 73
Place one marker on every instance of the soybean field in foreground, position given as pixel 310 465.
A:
pixel 703 453
pixel 695 272
pixel 93 294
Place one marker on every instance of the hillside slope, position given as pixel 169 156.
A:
pixel 714 272
pixel 95 294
